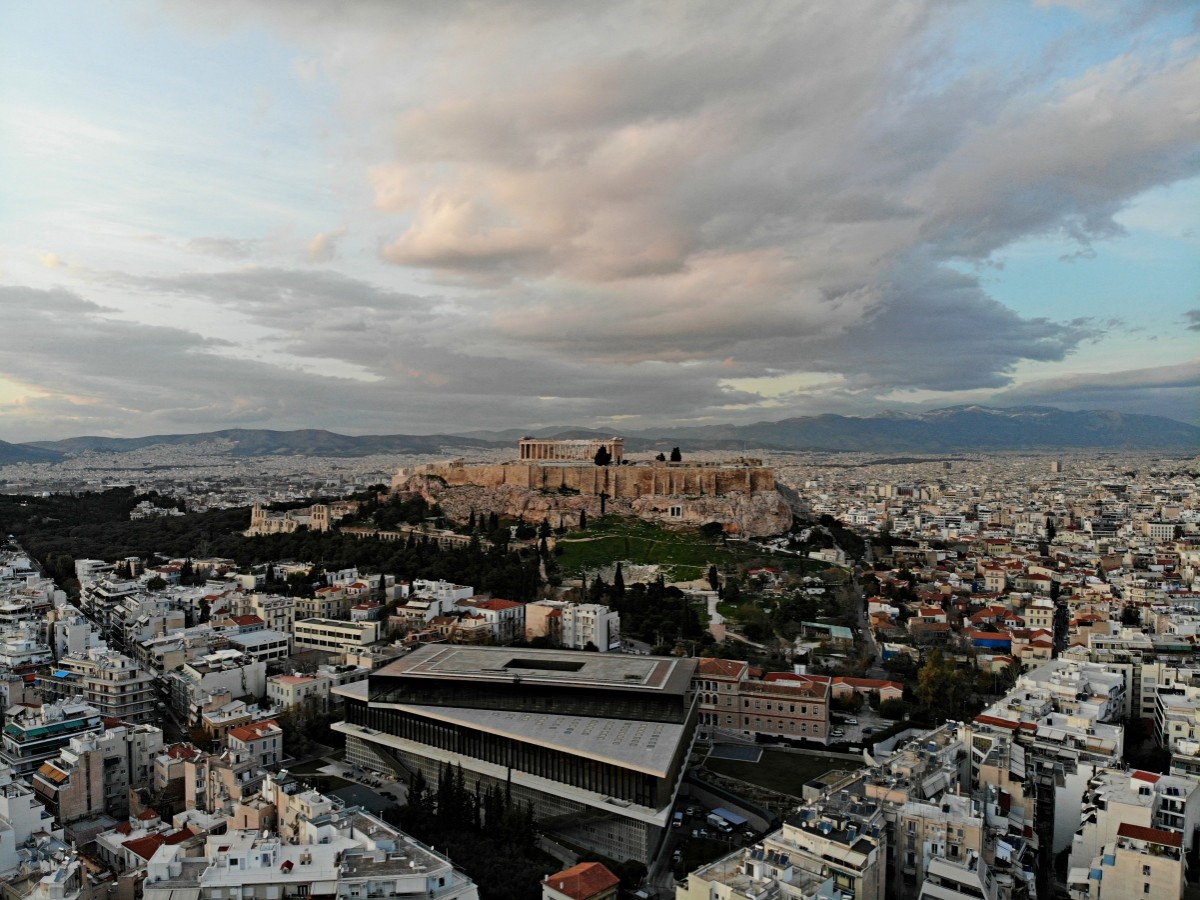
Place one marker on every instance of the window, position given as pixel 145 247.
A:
pixel 1146 871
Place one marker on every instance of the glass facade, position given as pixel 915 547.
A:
pixel 535 759
pixel 571 700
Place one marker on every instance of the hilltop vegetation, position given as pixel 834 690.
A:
pixel 687 553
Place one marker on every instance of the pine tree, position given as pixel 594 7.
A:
pixel 676 456
pixel 618 585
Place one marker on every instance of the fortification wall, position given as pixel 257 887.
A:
pixel 618 482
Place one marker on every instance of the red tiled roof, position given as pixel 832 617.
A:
pixel 145 846
pixel 249 620
pixel 254 732
pixel 721 668
pixel 583 880
pixel 1152 835
pixel 1145 776
pixel 498 604
pixel 146 815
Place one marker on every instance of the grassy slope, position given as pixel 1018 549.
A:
pixel 687 551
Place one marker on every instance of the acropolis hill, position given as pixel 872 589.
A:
pixel 558 480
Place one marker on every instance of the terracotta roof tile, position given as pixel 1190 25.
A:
pixel 1151 835
pixel 583 880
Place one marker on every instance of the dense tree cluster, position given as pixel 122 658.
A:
pixel 482 829
pixel 64 527
pixel 652 612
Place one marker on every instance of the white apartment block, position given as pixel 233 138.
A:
pixel 333 635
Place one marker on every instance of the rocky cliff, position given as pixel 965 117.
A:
pixel 749 513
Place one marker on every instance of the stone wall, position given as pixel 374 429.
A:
pixel 627 482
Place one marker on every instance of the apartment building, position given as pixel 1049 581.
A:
pixel 21 818
pixel 260 744
pixel 1141 862
pixel 342 854
pixel 334 636
pixel 505 618
pixel 33 735
pixel 110 681
pixel 1116 797
pixel 94 773
pixel 832 849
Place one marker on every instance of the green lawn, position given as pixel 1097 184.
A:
pixel 687 552
pixel 778 771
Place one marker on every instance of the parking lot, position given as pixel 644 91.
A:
pixel 694 840
pixel 853 727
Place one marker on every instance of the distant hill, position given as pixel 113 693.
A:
pixel 978 428
pixel 265 442
pixel 21 453
pixel 956 428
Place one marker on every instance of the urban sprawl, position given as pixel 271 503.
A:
pixel 979 672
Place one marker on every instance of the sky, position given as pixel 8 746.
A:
pixel 420 217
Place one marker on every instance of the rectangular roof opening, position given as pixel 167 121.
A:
pixel 544 665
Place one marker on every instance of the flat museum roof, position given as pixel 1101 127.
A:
pixel 658 674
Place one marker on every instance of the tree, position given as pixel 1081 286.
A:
pixel 661 458
pixel 940 688
pixel 583 520
pixel 714 580
pixel 603 457
pixel 618 585
pixel 676 456
pixel 157 583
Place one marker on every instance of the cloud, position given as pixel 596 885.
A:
pixel 323 247
pixel 1192 317
pixel 1168 390
pixel 658 211
pixel 224 247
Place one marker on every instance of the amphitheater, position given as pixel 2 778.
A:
pixel 559 481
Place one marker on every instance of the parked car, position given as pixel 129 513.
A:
pixel 852 721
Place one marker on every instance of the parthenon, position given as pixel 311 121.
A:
pixel 539 449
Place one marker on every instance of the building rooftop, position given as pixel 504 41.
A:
pixel 556 667
pixel 645 746
pixel 583 880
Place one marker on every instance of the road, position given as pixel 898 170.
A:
pixel 875 670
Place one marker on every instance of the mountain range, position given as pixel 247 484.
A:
pixel 957 428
